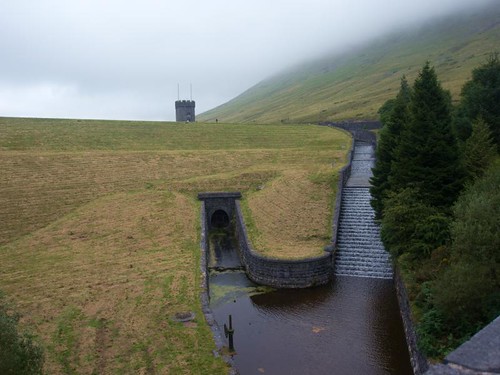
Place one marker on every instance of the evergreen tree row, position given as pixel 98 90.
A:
pixel 436 191
pixel 422 141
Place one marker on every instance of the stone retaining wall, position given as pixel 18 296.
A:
pixel 218 201
pixel 418 361
pixel 277 273
pixel 364 136
pixel 205 294
pixel 280 273
pixel 360 131
pixel 355 125
pixel 344 175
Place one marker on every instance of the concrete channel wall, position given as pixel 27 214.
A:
pixel 352 126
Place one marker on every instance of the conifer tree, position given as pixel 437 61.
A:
pixel 388 141
pixel 481 98
pixel 479 150
pixel 427 155
pixel 468 292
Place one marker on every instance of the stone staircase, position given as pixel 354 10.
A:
pixel 363 161
pixel 359 249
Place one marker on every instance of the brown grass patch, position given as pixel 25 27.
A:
pixel 99 244
pixel 101 284
pixel 292 215
pixel 38 188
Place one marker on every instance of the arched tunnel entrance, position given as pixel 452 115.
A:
pixel 219 219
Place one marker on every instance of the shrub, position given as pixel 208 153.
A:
pixel 412 227
pixel 19 353
pixel 469 291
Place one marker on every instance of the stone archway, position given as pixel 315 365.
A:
pixel 219 219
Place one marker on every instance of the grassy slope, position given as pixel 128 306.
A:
pixel 356 84
pixel 100 228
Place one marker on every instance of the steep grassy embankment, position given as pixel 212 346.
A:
pixel 99 229
pixel 355 84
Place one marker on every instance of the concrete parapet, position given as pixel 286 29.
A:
pixel 479 355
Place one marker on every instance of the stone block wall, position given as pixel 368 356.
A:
pixel 205 295
pixel 418 361
pixel 355 125
pixel 344 175
pixel 184 111
pixel 364 136
pixel 280 273
pixel 218 201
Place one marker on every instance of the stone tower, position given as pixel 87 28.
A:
pixel 184 111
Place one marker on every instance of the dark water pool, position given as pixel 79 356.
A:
pixel 352 326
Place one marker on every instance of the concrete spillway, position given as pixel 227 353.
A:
pixel 350 326
pixel 359 249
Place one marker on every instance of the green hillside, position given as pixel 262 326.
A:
pixel 354 85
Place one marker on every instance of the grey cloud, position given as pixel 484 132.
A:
pixel 124 59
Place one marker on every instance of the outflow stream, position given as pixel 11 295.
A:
pixel 352 326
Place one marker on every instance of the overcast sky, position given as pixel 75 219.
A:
pixel 123 59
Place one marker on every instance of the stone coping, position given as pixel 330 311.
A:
pixel 218 195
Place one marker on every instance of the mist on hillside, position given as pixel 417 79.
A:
pixel 354 83
pixel 326 60
pixel 125 59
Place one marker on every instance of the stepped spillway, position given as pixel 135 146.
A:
pixel 360 251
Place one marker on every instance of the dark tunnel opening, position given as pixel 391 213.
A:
pixel 219 219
